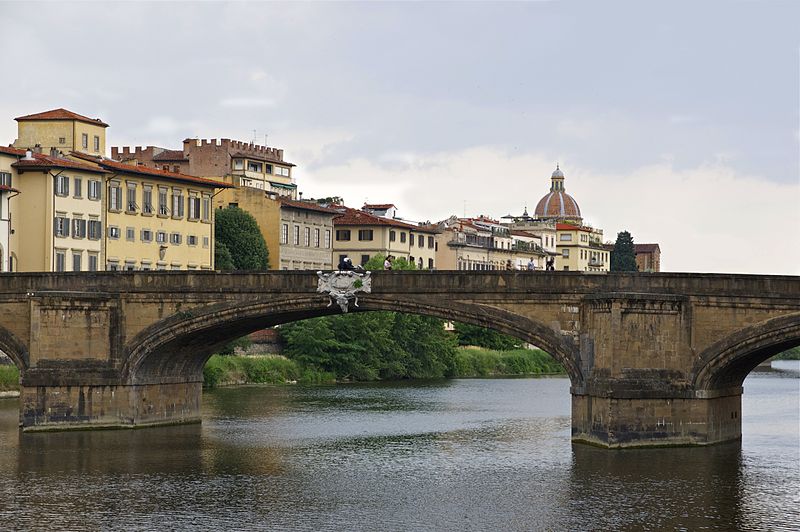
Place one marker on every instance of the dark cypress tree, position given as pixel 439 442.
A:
pixel 623 258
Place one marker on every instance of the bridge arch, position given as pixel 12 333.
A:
pixel 728 361
pixel 178 347
pixel 13 347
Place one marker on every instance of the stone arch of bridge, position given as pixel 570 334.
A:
pixel 177 347
pixel 13 347
pixel 728 361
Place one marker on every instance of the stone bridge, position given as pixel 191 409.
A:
pixel 653 359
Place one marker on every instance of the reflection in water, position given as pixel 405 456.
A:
pixel 450 455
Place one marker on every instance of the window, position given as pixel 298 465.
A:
pixel 253 166
pixel 130 234
pixel 342 234
pixel 130 265
pixel 176 169
pixel 392 236
pixel 163 209
pixel 113 265
pixel 78 228
pixel 95 229
pixel 296 239
pixel 113 231
pixel 194 207
pixel 430 264
pixel 175 239
pixel 268 168
pixel 62 185
pixel 61 226
pixel 565 237
pixel 191 240
pixel 62 140
pixel 61 260
pixel 316 238
pixel 565 252
pixel 85 140
pixel 132 206
pixel 307 237
pixel 114 197
pixel 566 268
pixel 364 259
pixel 94 189
pixel 77 192
pixel 430 242
pixel 146 266
pixel 285 234
pixel 5 178
pixel 96 143
pixel 92 262
pixel 327 238
pixel 421 241
pixel 76 261
pixel 365 234
pixel 205 241
pixel 280 170
pixel 402 237
pixel 147 199
pixel 177 203
pixel 147 235
pixel 238 164
pixel 161 237
pixel 206 208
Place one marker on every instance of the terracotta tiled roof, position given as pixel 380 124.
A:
pixel 62 114
pixel 170 155
pixel 570 227
pixel 42 162
pixel 358 217
pixel 116 166
pixel 379 206
pixel 557 204
pixel 306 205
pixel 646 248
pixel 12 151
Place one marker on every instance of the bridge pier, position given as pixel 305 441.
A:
pixel 625 422
pixel 44 408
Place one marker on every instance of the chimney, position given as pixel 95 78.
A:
pixel 54 152
pixel 37 148
pixel 28 155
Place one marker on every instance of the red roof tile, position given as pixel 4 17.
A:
pixel 358 217
pixel 41 162
pixel 117 166
pixel 306 205
pixel 12 151
pixel 62 114
pixel 379 206
pixel 570 227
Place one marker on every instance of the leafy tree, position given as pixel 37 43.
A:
pixel 222 257
pixel 483 337
pixel 623 258
pixel 238 231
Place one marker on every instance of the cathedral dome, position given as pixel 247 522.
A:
pixel 557 203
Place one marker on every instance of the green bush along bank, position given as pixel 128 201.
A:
pixel 224 370
pixel 9 378
pixel 479 362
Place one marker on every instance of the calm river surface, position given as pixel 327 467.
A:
pixel 452 455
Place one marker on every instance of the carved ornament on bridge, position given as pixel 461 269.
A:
pixel 343 287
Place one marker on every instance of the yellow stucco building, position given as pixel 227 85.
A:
pixel 63 130
pixel 581 248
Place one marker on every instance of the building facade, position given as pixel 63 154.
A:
pixel 580 248
pixel 360 235
pixel 157 219
pixel 56 219
pixel 8 177
pixel 61 130
pixel 648 257
pixel 240 164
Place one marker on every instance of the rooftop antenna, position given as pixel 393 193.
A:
pixel 265 139
pixel 465 209
pixel 254 136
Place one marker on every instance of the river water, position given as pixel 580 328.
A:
pixel 450 455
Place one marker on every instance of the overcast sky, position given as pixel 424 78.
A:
pixel 678 122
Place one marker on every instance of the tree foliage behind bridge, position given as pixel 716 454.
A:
pixel 239 244
pixel 623 258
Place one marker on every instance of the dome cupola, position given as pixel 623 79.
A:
pixel 558 204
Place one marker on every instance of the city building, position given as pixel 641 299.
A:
pixel 8 156
pixel 156 219
pixel 240 164
pixel 485 244
pixel 580 248
pixel 361 235
pixel 61 130
pixel 56 219
pixel 648 257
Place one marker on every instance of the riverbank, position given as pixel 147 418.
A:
pixel 223 370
